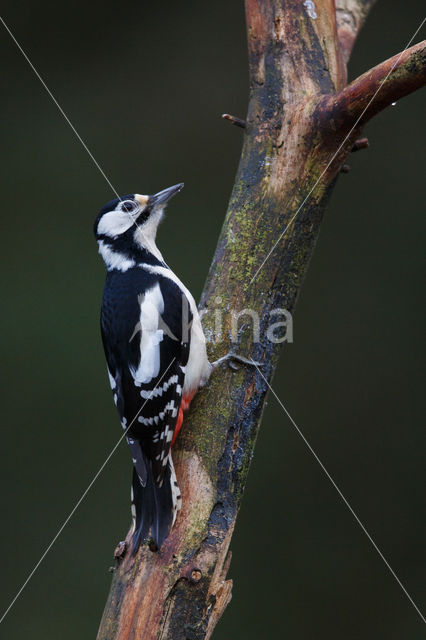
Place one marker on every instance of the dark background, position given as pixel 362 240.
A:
pixel 144 84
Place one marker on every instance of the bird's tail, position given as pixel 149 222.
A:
pixel 154 508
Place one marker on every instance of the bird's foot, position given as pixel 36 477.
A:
pixel 231 358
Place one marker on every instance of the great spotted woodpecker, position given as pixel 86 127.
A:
pixel 155 350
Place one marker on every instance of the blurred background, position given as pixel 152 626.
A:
pixel 144 84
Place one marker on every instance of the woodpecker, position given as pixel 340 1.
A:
pixel 155 350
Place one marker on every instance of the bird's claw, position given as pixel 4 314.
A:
pixel 231 357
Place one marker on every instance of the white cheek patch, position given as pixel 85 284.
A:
pixel 114 223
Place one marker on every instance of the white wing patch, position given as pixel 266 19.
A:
pixel 111 380
pixel 197 369
pixel 152 306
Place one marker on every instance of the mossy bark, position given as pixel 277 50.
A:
pixel 283 183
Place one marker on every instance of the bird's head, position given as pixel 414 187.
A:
pixel 127 226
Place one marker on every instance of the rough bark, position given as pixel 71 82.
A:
pixel 297 57
pixel 351 15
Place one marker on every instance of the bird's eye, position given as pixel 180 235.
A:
pixel 129 206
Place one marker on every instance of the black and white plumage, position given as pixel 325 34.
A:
pixel 155 350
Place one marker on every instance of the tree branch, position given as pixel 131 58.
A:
pixel 351 15
pixel 389 81
pixel 361 143
pixel 270 230
pixel 234 120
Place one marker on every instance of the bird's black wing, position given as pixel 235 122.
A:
pixel 145 324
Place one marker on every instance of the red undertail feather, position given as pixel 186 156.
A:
pixel 184 405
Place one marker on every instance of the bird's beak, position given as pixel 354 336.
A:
pixel 164 196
